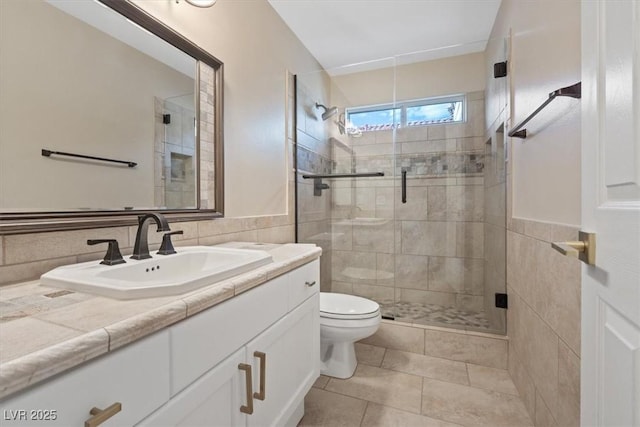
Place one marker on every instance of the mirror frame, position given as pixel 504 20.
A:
pixel 32 222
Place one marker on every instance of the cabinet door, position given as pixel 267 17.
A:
pixel 292 354
pixel 204 340
pixel 136 376
pixel 212 400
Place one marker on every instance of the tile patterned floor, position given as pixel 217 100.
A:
pixel 430 314
pixel 394 388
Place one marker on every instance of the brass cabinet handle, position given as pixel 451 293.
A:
pixel 102 415
pixel 263 375
pixel 310 284
pixel 584 249
pixel 248 409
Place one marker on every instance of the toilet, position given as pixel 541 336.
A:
pixel 344 319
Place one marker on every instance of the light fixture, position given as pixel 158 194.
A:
pixel 200 3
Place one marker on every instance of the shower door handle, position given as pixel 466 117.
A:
pixel 404 186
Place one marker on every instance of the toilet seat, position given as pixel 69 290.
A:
pixel 347 307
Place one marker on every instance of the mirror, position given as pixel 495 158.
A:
pixel 104 111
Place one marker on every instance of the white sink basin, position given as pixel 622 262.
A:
pixel 191 268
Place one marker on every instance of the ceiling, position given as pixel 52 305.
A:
pixel 351 35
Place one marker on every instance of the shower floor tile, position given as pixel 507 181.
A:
pixel 434 314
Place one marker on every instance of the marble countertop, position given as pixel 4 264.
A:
pixel 45 331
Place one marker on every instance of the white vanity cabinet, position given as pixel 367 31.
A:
pixel 195 372
pixel 136 376
pixel 286 353
pixel 276 328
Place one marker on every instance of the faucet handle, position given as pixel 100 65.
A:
pixel 113 255
pixel 166 248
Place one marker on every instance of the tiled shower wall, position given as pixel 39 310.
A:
pixel 178 137
pixel 175 151
pixel 432 247
pixel 207 131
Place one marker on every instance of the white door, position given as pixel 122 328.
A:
pixel 610 374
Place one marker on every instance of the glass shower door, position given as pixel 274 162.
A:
pixel 345 122
pixel 449 258
pixel 363 214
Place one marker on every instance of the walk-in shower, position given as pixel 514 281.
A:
pixel 412 209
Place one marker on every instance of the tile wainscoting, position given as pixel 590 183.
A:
pixel 543 322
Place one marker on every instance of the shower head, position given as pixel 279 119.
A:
pixel 328 112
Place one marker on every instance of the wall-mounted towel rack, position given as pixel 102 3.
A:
pixel 318 186
pixel 573 91
pixel 48 153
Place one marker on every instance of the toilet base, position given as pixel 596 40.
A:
pixel 338 359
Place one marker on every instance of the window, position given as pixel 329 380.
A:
pixel 419 112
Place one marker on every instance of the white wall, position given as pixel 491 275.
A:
pixel 392 81
pixel 446 76
pixel 256 48
pixel 545 56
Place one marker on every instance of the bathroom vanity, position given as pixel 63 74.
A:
pixel 241 358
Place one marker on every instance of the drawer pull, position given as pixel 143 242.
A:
pixel 102 415
pixel 248 409
pixel 310 284
pixel 263 375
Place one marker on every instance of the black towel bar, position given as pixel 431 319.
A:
pixel 48 153
pixel 573 91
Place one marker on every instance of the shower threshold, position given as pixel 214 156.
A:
pixel 433 314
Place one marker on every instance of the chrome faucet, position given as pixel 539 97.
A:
pixel 141 247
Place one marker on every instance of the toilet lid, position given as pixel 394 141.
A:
pixel 343 306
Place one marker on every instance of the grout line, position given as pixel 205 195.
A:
pixel 421 395
pixel 384 354
pixel 366 407
pixel 354 397
pixel 466 367
pixel 539 316
pixel 424 337
pixel 560 339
